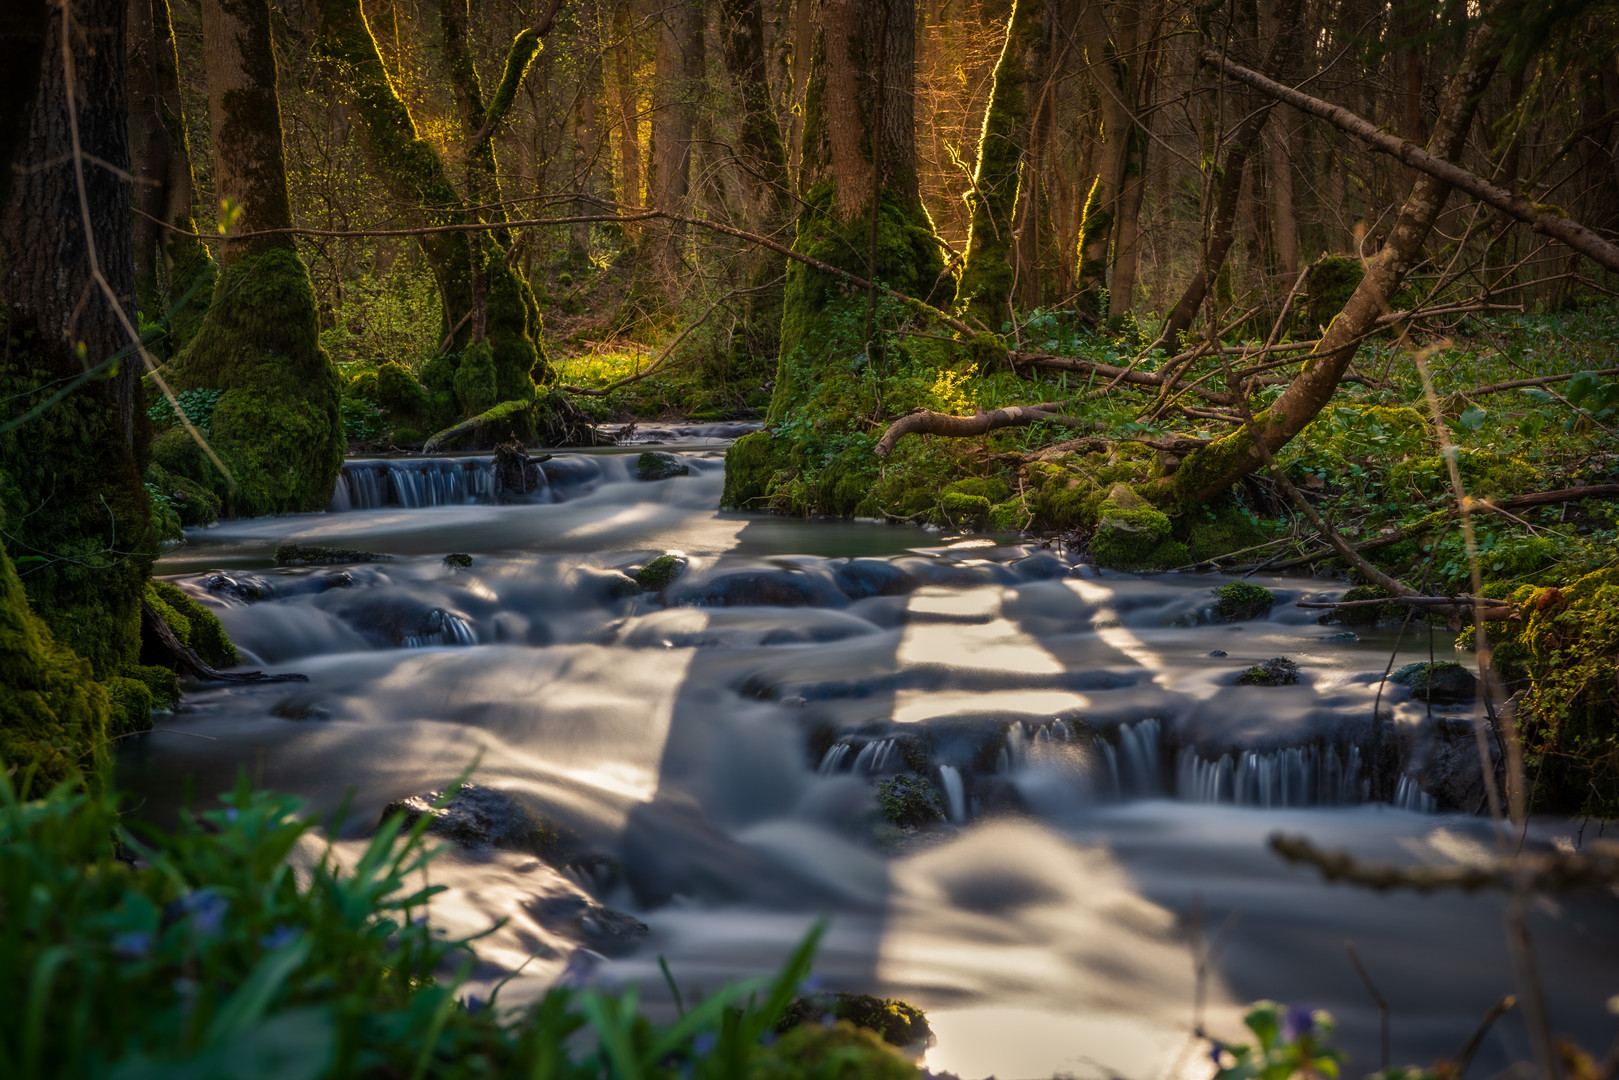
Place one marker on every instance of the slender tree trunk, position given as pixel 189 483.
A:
pixel 276 429
pixel 988 271
pixel 587 140
pixel 70 495
pixel 1133 183
pixel 1209 472
pixel 173 272
pixel 1285 223
pixel 629 106
pixel 760 150
pixel 679 76
pixel 803 46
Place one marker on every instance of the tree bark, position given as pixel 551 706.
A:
pixel 760 150
pixel 75 511
pixel 1209 472
pixel 173 271
pixel 988 271
pixel 629 106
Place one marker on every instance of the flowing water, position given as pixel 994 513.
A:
pixel 715 749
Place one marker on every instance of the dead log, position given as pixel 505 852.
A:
pixel 1493 610
pixel 189 663
pixel 924 422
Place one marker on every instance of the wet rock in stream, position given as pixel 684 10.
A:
pixel 611 933
pixel 1277 671
pixel 318 555
pixel 478 816
pixel 1446 682
pixel 656 465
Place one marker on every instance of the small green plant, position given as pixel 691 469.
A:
pixel 1291 1042
pixel 197 405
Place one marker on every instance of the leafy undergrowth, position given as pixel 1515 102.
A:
pixel 212 958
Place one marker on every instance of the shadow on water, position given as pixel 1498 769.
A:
pixel 716 751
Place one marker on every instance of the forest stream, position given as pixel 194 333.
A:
pixel 714 751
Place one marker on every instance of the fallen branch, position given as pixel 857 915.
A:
pixel 1549 872
pixel 1495 610
pixel 189 663
pixel 924 422
pixel 1518 384
pixel 1548 221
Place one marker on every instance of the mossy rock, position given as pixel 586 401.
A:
pixel 839 1052
pixel 1445 681
pixel 458 560
pixel 656 465
pixel 318 555
pixel 1278 671
pixel 1242 600
pixel 1370 614
pixel 477 816
pixel 160 682
pixel 131 702
pixel 660 573
pixel 193 624
pixel 1219 531
pixel 1131 534
pixel 961 509
pixel 750 467
pixel 1008 516
pixel 991 489
pixel 897 1023
pixel 400 396
pixel 909 802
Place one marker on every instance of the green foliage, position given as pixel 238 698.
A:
pixel 475 379
pixel 216 959
pixel 1290 1042
pixel 1242 600
pixel 191 503
pixel 962 509
pixel 165 519
pixel 197 404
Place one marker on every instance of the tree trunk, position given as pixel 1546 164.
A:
pixel 1244 141
pixel 276 429
pixel 75 511
pixel 1209 472
pixel 803 48
pixel 416 176
pixel 858 180
pixel 174 273
pixel 988 271
pixel 587 140
pixel 760 149
pixel 1133 182
pixel 629 106
pixel 1284 220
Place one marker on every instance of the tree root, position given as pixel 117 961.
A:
pixel 189 663
pixel 1553 871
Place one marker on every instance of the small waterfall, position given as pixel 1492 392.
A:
pixel 416 483
pixel 441 628
pixel 1133 765
pixel 1292 776
pixel 954 794
pixel 874 756
pixel 1408 795
pixel 833 758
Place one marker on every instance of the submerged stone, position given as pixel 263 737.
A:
pixel 909 802
pixel 1444 682
pixel 656 465
pixel 661 572
pixel 316 555
pixel 609 932
pixel 478 816
pixel 1277 671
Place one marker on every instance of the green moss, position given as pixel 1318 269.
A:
pixel 840 1052
pixel 79 519
pixel 193 624
pixel 475 379
pixel 1278 671
pixel 277 429
pixel 53 715
pixel 160 682
pixel 1008 516
pixel 897 1023
pixel 1242 600
pixel 458 560
pixel 1369 615
pixel 962 509
pixel 1132 535
pixel 319 555
pixel 660 573
pixel 1444 681
pixel 1483 473
pixel 131 703
pixel 1220 530
pixel 750 468
pixel 1331 282
pixel 909 802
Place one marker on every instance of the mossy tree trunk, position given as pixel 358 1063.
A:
pixel 1241 145
pixel 1210 471
pixel 466 381
pixel 988 271
pixel 174 273
pixel 77 516
pixel 276 429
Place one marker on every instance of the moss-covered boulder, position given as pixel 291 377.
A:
pixel 193 503
pixel 1366 614
pixel 909 801
pixel 964 510
pixel 750 467
pixel 841 1051
pixel 458 560
pixel 657 465
pixel 1132 534
pixel 1443 682
pixel 1219 531
pixel 661 572
pixel 320 555
pixel 1242 600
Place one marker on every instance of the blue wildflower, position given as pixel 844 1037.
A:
pixel 280 937
pixel 132 944
pixel 703 1045
pixel 580 968
pixel 810 985
pixel 475 1003
pixel 1216 1049
pixel 1299 1021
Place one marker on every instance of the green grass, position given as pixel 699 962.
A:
pixel 600 367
